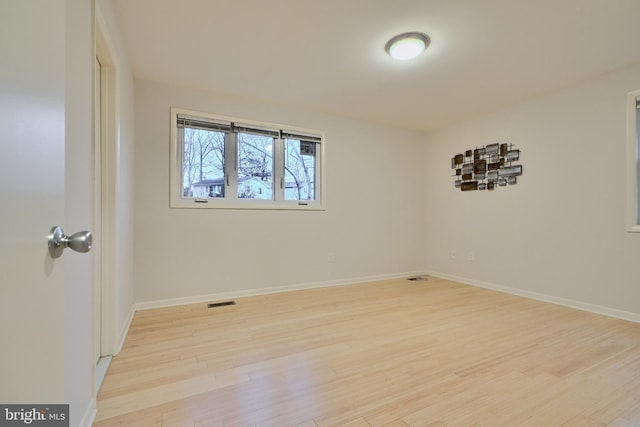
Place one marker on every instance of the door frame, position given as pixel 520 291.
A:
pixel 105 185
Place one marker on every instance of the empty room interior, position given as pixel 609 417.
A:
pixel 300 226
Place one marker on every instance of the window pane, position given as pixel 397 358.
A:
pixel 299 170
pixel 255 166
pixel 203 163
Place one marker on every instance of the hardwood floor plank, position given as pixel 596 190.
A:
pixel 392 354
pixel 396 423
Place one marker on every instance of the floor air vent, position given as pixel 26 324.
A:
pixel 220 304
pixel 417 278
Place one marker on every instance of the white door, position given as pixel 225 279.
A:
pixel 32 198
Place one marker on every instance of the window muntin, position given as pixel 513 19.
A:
pixel 222 162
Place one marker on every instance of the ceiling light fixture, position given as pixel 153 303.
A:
pixel 407 45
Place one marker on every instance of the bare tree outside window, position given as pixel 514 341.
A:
pixel 255 166
pixel 299 166
pixel 203 158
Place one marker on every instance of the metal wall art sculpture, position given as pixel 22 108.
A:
pixel 487 168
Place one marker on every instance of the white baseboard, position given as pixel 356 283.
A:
pixel 101 371
pixel 579 305
pixel 89 414
pixel 125 329
pixel 264 291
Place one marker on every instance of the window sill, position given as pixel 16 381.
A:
pixel 634 229
pixel 245 205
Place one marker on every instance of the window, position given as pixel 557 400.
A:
pixel 223 162
pixel 633 161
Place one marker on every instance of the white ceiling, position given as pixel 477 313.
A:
pixel 328 55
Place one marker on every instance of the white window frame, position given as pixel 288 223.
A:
pixel 230 201
pixel 633 162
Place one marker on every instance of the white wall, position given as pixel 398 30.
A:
pixel 561 230
pixel 123 164
pixel 373 223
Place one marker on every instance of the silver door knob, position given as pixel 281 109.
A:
pixel 58 241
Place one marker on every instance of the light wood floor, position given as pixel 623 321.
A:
pixel 394 353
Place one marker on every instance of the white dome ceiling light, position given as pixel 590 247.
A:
pixel 407 45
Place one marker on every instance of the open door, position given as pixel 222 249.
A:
pixel 32 189
pixel 45 180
